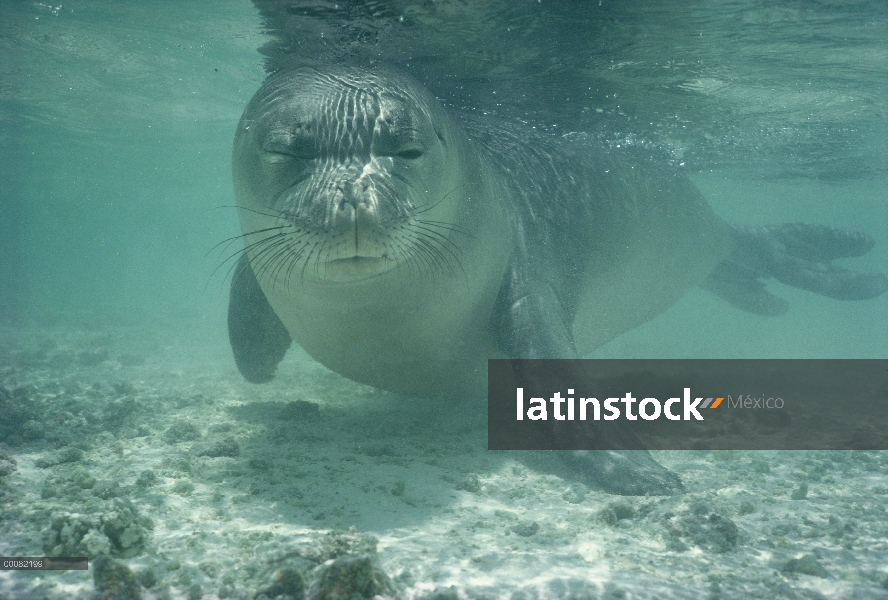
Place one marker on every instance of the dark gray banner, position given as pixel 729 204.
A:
pixel 688 404
pixel 44 563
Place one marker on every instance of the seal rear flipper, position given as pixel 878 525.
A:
pixel 258 338
pixel 742 288
pixel 798 255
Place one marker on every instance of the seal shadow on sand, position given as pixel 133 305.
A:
pixel 361 456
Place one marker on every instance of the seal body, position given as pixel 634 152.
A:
pixel 402 246
pixel 382 234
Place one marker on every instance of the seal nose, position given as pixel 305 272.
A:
pixel 353 200
pixel 354 208
pixel 351 194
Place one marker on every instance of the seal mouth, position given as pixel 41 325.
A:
pixel 287 247
pixel 360 265
pixel 360 260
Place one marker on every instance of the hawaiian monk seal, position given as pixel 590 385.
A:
pixel 402 249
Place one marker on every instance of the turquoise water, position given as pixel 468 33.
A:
pixel 118 118
pixel 116 122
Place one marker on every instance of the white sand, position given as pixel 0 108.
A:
pixel 412 474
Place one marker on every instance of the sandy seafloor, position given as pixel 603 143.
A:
pixel 145 442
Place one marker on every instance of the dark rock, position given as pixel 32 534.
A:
pixel 801 493
pixel 349 577
pixel 470 484
pixel 300 410
pixel 442 593
pixel 7 464
pixel 181 431
pixel 703 526
pixel 146 479
pixel 526 529
pixel 114 581
pixel 806 565
pixel 746 508
pixel 147 577
pixel 64 456
pixel 288 582
pixel 225 447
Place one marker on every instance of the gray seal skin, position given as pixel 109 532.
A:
pixel 402 248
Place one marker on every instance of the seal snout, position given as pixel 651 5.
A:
pixel 345 176
pixel 353 201
pixel 355 209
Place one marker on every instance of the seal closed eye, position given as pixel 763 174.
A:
pixel 402 250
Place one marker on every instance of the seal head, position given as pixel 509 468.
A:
pixel 354 169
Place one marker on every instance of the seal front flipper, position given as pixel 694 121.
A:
pixel 623 472
pixel 530 322
pixel 258 338
pixel 798 255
